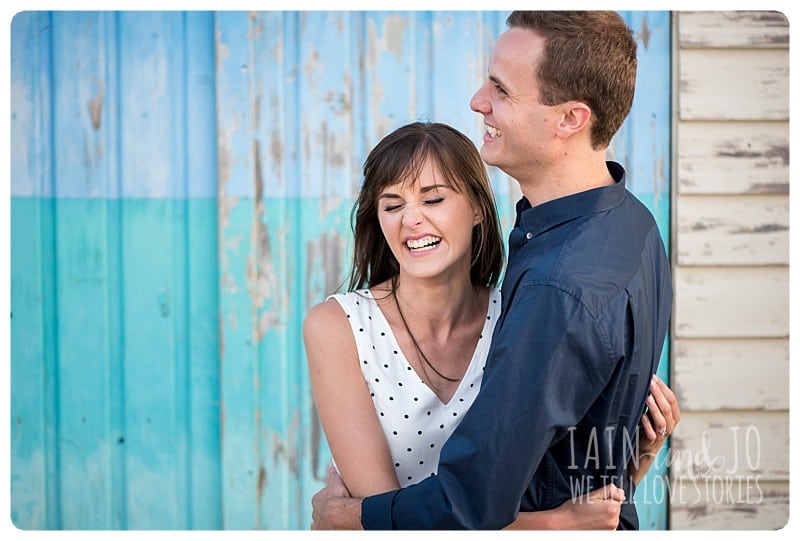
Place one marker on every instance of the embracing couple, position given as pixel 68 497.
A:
pixel 450 403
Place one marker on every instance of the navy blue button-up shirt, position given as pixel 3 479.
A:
pixel 586 304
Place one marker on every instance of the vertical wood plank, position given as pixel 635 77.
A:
pixel 33 375
pixel 154 253
pixel 239 377
pixel 85 401
pixel 202 304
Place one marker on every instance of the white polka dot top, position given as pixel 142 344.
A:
pixel 416 423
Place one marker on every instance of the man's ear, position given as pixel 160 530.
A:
pixel 576 117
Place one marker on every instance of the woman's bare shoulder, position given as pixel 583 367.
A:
pixel 325 315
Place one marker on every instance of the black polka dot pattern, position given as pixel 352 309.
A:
pixel 416 423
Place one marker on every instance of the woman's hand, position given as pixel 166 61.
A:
pixel 597 510
pixel 657 424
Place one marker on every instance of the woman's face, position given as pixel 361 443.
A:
pixel 428 225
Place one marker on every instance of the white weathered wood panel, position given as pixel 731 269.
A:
pixel 729 84
pixel 718 302
pixel 733 230
pixel 735 505
pixel 731 443
pixel 747 29
pixel 731 373
pixel 731 312
pixel 733 157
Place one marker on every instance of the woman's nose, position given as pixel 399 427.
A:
pixel 412 216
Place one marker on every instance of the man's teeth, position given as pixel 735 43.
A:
pixel 494 132
pixel 424 242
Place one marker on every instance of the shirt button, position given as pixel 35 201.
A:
pixel 529 236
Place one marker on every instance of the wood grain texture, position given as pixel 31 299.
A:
pixel 745 29
pixel 734 505
pixel 731 311
pixel 729 374
pixel 717 302
pixel 733 157
pixel 733 230
pixel 740 443
pixel 731 84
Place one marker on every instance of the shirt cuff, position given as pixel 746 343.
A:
pixel 376 511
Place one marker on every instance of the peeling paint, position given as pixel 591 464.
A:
pixel 286 450
pixel 256 26
pixel 394 27
pixel 262 483
pixel 644 33
pixel 763 228
pixel 774 188
pixel 778 151
pixel 96 105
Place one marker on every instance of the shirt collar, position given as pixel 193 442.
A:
pixel 542 217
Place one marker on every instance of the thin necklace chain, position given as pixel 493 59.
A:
pixel 416 345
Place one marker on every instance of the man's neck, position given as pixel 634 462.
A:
pixel 568 177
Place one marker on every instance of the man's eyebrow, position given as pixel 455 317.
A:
pixel 497 80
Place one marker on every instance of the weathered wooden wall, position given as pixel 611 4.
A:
pixel 181 185
pixel 731 232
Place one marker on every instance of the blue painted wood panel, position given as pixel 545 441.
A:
pixel 181 191
pixel 114 302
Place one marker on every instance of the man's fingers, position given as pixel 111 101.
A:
pixel 607 492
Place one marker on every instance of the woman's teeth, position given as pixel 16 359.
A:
pixel 424 242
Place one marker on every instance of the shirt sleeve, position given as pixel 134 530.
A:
pixel 548 362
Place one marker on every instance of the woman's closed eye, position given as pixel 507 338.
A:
pixel 434 201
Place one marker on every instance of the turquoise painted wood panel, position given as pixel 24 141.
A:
pixel 114 288
pixel 181 190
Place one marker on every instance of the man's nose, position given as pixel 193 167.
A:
pixel 479 103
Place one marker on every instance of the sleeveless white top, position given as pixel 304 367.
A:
pixel 415 422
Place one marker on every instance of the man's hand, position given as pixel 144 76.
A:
pixel 333 507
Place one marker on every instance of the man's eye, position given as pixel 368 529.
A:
pixel 500 90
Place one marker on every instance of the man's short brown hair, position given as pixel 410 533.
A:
pixel 590 56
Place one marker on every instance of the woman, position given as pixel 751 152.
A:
pixel 418 319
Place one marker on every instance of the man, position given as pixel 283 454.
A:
pixel 586 296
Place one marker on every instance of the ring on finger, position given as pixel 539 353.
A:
pixel 663 431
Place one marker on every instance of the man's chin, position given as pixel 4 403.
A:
pixel 489 158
